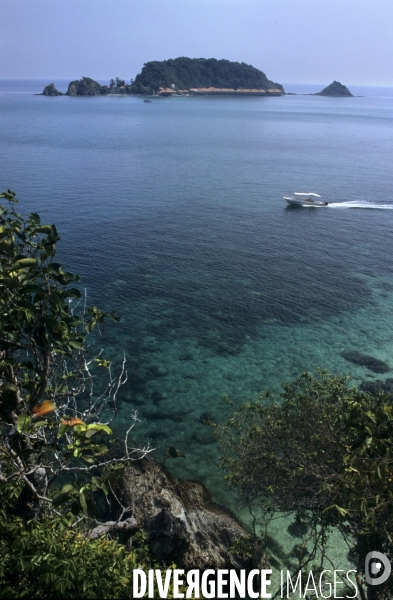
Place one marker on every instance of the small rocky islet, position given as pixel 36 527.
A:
pixel 336 90
pixel 79 87
pixel 50 90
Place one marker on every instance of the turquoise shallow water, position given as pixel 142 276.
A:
pixel 173 214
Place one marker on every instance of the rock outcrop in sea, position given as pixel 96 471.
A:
pixel 184 525
pixel 336 89
pixel 50 90
pixel 85 87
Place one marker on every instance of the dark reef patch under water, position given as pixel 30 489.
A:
pixel 379 385
pixel 364 360
pixel 199 285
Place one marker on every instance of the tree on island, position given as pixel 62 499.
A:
pixel 325 456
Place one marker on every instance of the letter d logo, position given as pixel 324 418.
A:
pixel 375 568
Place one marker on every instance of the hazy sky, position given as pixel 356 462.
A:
pixel 304 41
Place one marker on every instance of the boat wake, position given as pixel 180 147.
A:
pixel 360 204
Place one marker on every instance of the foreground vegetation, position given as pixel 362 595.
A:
pixel 323 454
pixel 55 452
pixel 50 399
pixel 53 558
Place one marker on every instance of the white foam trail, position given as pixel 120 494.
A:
pixel 360 204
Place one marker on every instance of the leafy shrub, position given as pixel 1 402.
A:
pixel 53 558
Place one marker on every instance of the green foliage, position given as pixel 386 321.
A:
pixel 324 453
pixel 366 486
pixel 49 409
pixel 37 322
pixel 199 72
pixel 53 558
pixel 41 560
pixel 49 427
pixel 273 437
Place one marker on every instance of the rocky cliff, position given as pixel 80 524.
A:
pixel 184 525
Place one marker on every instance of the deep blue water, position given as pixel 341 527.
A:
pixel 172 212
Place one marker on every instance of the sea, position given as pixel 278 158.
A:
pixel 173 214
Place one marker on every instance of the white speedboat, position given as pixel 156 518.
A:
pixel 303 199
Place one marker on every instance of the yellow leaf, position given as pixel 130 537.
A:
pixel 71 421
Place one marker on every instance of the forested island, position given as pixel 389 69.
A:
pixel 190 76
pixel 186 73
pixel 181 76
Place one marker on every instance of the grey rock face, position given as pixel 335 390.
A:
pixel 184 525
pixel 72 90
